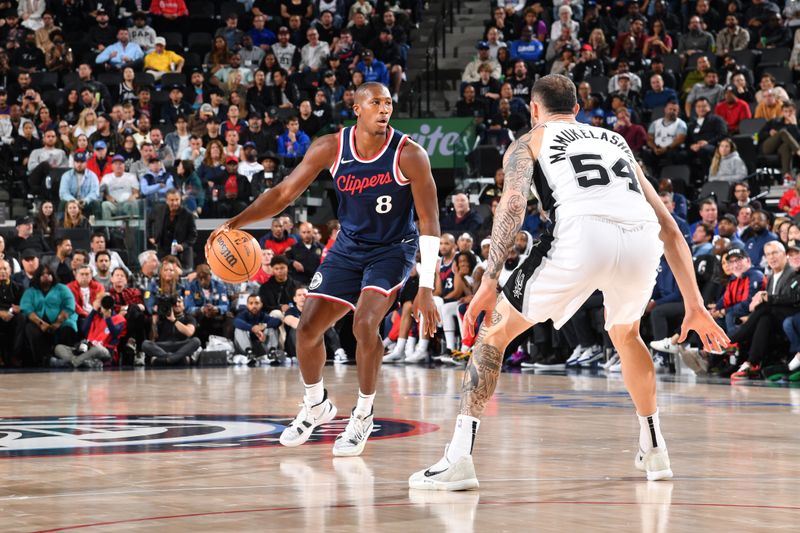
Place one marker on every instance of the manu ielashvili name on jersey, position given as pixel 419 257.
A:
pixel 568 135
pixel 375 201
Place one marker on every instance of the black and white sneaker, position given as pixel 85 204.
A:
pixel 307 420
pixel 445 475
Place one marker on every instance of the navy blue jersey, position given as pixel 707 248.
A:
pixel 447 276
pixel 375 201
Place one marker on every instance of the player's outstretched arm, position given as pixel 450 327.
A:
pixel 679 259
pixel 320 155
pixel 416 167
pixel 518 164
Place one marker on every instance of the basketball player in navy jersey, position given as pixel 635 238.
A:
pixel 381 177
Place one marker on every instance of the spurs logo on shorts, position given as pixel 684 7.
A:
pixel 316 281
pixel 519 284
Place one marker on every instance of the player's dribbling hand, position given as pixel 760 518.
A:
pixel 222 229
pixel 698 319
pixel 484 301
pixel 425 309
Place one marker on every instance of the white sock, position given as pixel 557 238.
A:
pixel 450 339
pixel 794 364
pixel 410 345
pixel 650 432
pixel 400 346
pixel 422 345
pixel 463 437
pixel 465 348
pixel 314 393
pixel 364 404
pixel 386 342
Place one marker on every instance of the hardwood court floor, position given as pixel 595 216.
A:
pixel 554 453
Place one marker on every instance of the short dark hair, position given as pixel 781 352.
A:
pixel 36 279
pixel 121 269
pixel 253 295
pixel 556 93
pixel 80 251
pixel 279 260
pixel 60 241
pixel 708 201
pixel 98 234
pixel 102 252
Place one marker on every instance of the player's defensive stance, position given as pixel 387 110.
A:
pixel 608 235
pixel 380 177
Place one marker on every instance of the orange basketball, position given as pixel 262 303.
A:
pixel 234 256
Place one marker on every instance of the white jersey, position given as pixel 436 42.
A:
pixel 584 170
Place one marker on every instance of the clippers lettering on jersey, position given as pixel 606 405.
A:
pixel 353 185
pixel 563 139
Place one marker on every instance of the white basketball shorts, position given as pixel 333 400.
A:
pixel 584 254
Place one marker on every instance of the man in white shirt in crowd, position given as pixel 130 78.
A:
pixel 249 165
pixel 313 56
pixel 98 244
pixel 120 191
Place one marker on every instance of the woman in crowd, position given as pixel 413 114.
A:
pixel 781 229
pixel 658 43
pixel 45 221
pixel 166 286
pixel 50 309
pixel 130 152
pixel 218 56
pixel 598 41
pixel 81 145
pixel 65 140
pixel 87 123
pixel 73 216
pixel 70 109
pixel 126 90
pixel 727 165
pixel 212 171
pixel 506 63
pixel 190 186
pixel 44 120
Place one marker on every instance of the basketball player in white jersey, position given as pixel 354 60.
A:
pixel 610 232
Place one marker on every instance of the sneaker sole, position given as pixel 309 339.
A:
pixel 591 360
pixel 354 452
pixel 659 474
pixel 303 438
pixel 431 484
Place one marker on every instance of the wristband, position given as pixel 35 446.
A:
pixel 429 254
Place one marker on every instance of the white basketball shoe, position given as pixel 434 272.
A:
pixel 307 420
pixel 655 463
pixel 352 440
pixel 445 475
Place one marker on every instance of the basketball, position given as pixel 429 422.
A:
pixel 234 256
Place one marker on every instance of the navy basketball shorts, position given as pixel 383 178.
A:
pixel 349 270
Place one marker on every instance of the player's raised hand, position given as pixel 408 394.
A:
pixel 425 308
pixel 484 301
pixel 698 319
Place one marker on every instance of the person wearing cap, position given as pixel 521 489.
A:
pixel 81 184
pixel 141 33
pixel 372 69
pixel 727 228
pixel 588 65
pixel 256 134
pixel 100 160
pixel 271 174
pixel 120 191
pixel 198 122
pixel 121 54
pixel 155 183
pixel 160 61
pixel 249 165
pixel 287 54
pixel 26 239
pixel 101 34
pixel 235 191
pixel 29 259
pixel 175 106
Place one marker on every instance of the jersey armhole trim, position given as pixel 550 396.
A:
pixel 339 146
pixel 398 174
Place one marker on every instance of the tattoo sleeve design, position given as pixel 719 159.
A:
pixel 518 167
pixel 483 370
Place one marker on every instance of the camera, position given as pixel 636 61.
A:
pixel 165 305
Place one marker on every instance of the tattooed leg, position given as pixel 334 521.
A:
pixel 480 377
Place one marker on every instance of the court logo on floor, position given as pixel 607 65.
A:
pixel 106 434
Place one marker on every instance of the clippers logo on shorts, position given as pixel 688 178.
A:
pixel 316 281
pixel 91 435
pixel 519 284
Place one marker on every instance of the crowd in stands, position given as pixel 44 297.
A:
pixel 171 111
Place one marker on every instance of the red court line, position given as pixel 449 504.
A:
pixel 409 504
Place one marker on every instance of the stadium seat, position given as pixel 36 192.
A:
pixel 691 61
pixel 144 78
pixel 751 126
pixel 230 7
pixel 199 43
pixel 80 237
pixel 720 190
pixel 783 76
pixel 774 57
pixel 173 78
pixel 747 151
pixel 44 80
pixel 110 79
pixel 657 113
pixel 192 60
pixel 200 9
pixel 745 58
pixel 485 160
pixel 159 98
pixel 174 41
pixel 680 173
pixel 599 84
pixel 672 62
pixel 70 78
